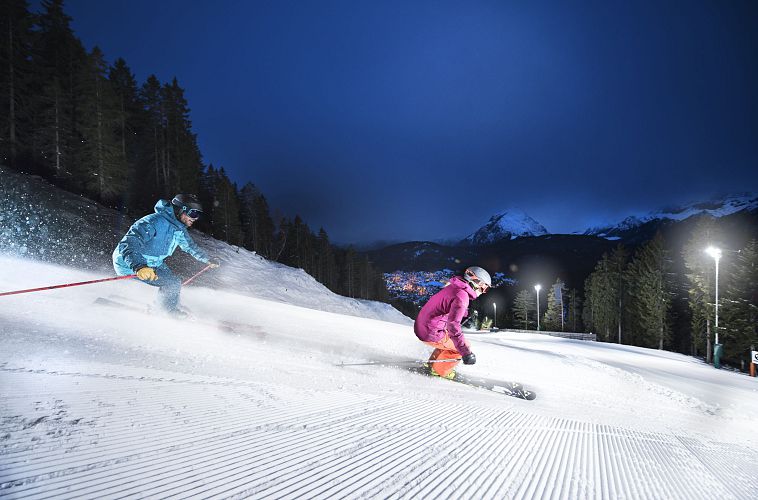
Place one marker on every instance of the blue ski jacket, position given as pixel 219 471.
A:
pixel 153 238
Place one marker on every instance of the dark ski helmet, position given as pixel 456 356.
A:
pixel 478 278
pixel 187 203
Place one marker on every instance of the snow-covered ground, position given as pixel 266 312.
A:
pixel 248 399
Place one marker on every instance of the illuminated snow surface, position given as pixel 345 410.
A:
pixel 247 399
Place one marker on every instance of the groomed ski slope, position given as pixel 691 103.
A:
pixel 99 402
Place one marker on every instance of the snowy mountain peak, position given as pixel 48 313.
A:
pixel 509 224
pixel 714 207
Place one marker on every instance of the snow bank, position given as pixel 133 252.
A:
pixel 44 223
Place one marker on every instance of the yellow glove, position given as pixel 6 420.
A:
pixel 147 274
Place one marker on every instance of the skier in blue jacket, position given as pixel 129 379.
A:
pixel 153 238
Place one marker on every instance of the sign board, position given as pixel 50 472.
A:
pixel 754 357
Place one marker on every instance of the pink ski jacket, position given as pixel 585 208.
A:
pixel 444 312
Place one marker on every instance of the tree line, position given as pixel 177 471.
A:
pixel 643 298
pixel 91 128
pixel 560 312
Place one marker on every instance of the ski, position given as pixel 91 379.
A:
pixel 507 388
pixel 102 301
pixel 225 326
pixel 222 324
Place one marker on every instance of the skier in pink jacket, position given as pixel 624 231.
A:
pixel 439 322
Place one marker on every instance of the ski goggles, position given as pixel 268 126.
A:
pixel 194 213
pixel 478 284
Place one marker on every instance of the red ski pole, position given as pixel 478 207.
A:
pixel 67 285
pixel 198 274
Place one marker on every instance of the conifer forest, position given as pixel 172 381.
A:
pixel 89 127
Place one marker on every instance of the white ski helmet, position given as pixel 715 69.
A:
pixel 478 278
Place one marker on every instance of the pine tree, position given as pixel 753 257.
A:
pixel 280 244
pixel 363 276
pixel 225 209
pixel 604 292
pixel 16 94
pixel 326 273
pixel 524 306
pixel 154 143
pixel 555 312
pixel 650 294
pixel 99 164
pixel 349 274
pixel 587 306
pixel 292 240
pixel 379 286
pixel 701 277
pixel 172 115
pixel 182 161
pixel 131 122
pixel 370 283
pixel 300 239
pixel 266 227
pixel 322 252
pixel 618 260
pixel 248 217
pixel 207 194
pixel 58 57
pixel 573 310
pixel 739 305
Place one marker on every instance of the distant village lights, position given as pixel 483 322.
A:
pixel 416 286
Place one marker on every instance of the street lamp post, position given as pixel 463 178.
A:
pixel 494 306
pixel 716 254
pixel 537 288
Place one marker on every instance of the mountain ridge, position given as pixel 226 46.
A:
pixel 715 207
pixel 509 224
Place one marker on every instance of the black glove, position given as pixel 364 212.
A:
pixel 469 359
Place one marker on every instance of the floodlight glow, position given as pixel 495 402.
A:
pixel 714 252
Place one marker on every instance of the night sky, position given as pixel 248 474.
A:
pixel 384 120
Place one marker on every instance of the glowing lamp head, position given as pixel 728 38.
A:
pixel 714 252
